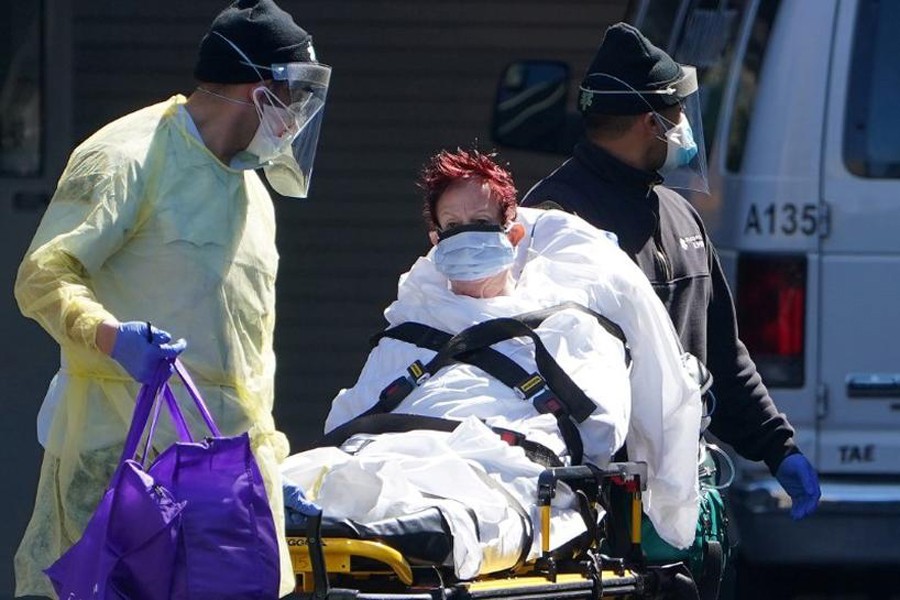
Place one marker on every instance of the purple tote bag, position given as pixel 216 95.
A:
pixel 196 524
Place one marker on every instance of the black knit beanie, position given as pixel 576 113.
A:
pixel 628 61
pixel 262 30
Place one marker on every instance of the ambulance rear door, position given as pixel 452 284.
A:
pixel 860 255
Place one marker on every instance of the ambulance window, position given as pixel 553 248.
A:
pixel 702 33
pixel 751 68
pixel 872 130
pixel 707 41
pixel 656 19
pixel 20 89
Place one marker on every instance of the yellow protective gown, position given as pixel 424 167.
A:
pixel 147 224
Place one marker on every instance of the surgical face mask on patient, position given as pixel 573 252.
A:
pixel 473 252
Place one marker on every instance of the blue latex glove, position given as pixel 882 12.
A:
pixel 799 479
pixel 139 353
pixel 296 507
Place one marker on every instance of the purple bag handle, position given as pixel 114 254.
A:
pixel 195 395
pixel 146 453
pixel 181 427
pixel 147 398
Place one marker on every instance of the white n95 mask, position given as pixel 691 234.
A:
pixel 277 128
pixel 473 252
pixel 284 144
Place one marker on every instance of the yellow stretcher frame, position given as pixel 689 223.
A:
pixel 383 565
pixel 339 553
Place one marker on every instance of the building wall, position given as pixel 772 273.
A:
pixel 410 77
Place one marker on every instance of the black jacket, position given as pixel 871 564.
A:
pixel 664 235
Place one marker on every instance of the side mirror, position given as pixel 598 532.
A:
pixel 530 108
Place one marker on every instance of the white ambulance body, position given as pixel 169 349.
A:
pixel 802 121
pixel 805 212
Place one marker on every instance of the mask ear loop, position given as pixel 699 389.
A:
pixel 287 128
pixel 246 58
pixel 656 115
pixel 270 95
pixel 223 97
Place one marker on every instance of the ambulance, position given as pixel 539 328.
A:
pixel 802 119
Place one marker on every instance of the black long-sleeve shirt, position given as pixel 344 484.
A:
pixel 664 235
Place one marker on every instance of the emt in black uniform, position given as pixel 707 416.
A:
pixel 643 135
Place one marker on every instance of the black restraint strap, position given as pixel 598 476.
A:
pixel 494 363
pixel 382 423
pixel 487 333
pixel 487 359
pixel 400 422
pixel 535 318
pixel 472 346
pixel 423 336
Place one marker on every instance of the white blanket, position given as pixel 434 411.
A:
pixel 464 473
pixel 656 406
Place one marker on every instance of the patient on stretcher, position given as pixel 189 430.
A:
pixel 593 363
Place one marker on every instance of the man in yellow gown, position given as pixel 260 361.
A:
pixel 160 218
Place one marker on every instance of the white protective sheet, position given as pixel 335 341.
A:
pixel 461 473
pixel 656 406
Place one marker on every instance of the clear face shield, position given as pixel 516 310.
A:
pixel 684 166
pixel 290 118
pixel 289 168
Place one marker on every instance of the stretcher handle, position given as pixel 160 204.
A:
pixel 321 585
pixel 634 474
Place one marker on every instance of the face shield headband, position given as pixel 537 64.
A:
pixel 685 164
pixel 290 121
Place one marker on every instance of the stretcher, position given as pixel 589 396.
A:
pixel 332 565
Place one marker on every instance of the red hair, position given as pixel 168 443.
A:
pixel 446 169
